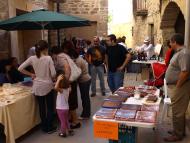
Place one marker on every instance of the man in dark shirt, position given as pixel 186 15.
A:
pixel 117 58
pixel 95 57
pixel 13 73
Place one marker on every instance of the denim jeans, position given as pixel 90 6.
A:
pixel 115 80
pixel 94 71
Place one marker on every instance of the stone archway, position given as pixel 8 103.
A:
pixel 172 21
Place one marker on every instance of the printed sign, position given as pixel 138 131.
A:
pixel 107 130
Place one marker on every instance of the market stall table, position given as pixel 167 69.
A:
pixel 147 62
pixel 18 111
pixel 146 73
pixel 124 131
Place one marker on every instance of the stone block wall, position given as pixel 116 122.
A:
pixel 141 26
pixel 4 35
pixel 39 3
pixel 11 44
pixel 155 17
pixel 93 10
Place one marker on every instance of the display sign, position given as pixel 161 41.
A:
pixel 108 130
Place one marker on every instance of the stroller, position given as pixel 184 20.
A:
pixel 158 74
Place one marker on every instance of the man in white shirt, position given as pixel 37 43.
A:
pixel 147 47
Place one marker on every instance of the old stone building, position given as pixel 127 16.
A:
pixel 4 36
pixel 158 19
pixel 17 43
pixel 94 10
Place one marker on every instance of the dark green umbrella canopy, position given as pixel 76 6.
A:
pixel 42 19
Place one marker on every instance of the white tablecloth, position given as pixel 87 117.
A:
pixel 148 62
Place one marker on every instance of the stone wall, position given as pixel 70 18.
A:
pixel 17 43
pixel 155 17
pixel 170 12
pixel 21 41
pixel 4 36
pixel 39 4
pixel 93 10
pixel 142 24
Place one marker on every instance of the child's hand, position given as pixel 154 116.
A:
pixel 60 77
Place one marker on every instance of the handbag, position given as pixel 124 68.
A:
pixel 75 70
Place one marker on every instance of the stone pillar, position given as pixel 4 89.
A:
pixel 187 24
pixel 4 35
pixel 13 35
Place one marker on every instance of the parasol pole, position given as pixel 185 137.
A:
pixel 58 10
pixel 58 31
pixel 43 24
pixel 42 34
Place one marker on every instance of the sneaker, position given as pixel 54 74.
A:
pixel 78 125
pixel 93 94
pixel 64 135
pixel 83 118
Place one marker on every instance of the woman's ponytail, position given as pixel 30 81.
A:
pixel 40 46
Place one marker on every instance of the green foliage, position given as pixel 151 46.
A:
pixel 110 18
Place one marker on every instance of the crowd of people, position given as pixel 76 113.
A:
pixel 50 70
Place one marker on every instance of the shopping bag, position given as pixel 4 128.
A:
pixel 75 71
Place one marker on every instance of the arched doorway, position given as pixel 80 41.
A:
pixel 180 24
pixel 172 22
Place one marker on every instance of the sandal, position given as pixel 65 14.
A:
pixel 64 135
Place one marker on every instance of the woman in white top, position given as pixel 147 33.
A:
pixel 42 83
